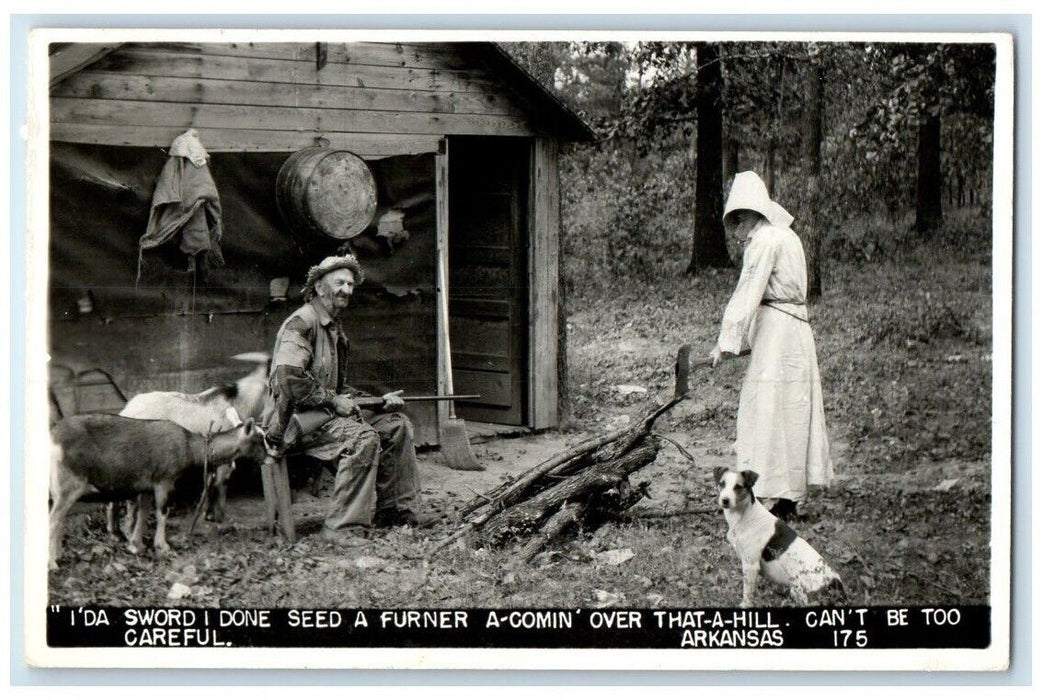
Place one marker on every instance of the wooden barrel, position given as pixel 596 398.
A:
pixel 326 192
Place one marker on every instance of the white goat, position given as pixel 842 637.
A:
pixel 214 410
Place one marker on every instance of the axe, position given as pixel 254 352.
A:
pixel 682 370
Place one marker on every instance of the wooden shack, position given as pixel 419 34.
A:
pixel 462 144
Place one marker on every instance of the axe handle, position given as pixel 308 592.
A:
pixel 726 356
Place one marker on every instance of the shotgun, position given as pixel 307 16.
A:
pixel 377 401
pixel 304 422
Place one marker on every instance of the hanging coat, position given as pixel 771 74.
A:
pixel 185 205
pixel 781 431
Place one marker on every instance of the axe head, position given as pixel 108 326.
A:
pixel 681 371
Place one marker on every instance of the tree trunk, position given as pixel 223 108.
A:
pixel 768 168
pixel 708 247
pixel 730 159
pixel 928 187
pixel 772 140
pixel 810 223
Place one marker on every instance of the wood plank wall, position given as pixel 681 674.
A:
pixel 374 99
pixel 544 252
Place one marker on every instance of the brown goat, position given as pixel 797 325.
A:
pixel 122 457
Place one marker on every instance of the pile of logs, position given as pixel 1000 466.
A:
pixel 587 484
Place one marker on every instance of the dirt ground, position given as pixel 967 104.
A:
pixel 675 538
pixel 905 356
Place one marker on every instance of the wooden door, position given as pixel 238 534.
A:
pixel 488 280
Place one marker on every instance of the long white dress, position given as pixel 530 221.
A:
pixel 781 418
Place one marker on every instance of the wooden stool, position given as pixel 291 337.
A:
pixel 275 476
pixel 278 504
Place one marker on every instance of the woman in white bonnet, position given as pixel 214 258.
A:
pixel 781 419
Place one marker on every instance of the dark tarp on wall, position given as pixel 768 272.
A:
pixel 176 330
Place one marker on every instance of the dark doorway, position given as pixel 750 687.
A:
pixel 488 276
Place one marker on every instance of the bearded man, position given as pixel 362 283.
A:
pixel 376 475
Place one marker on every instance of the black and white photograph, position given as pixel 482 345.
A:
pixel 519 350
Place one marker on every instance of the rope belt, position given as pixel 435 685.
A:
pixel 770 303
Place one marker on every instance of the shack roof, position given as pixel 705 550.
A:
pixel 531 92
pixel 543 107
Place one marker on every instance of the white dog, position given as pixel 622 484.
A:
pixel 767 544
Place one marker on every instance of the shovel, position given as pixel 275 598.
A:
pixel 455 446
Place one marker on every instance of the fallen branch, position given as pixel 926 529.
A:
pixel 454 536
pixel 587 483
pixel 677 445
pixel 602 449
pixel 477 495
pixel 526 516
pixel 506 491
pixel 569 514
